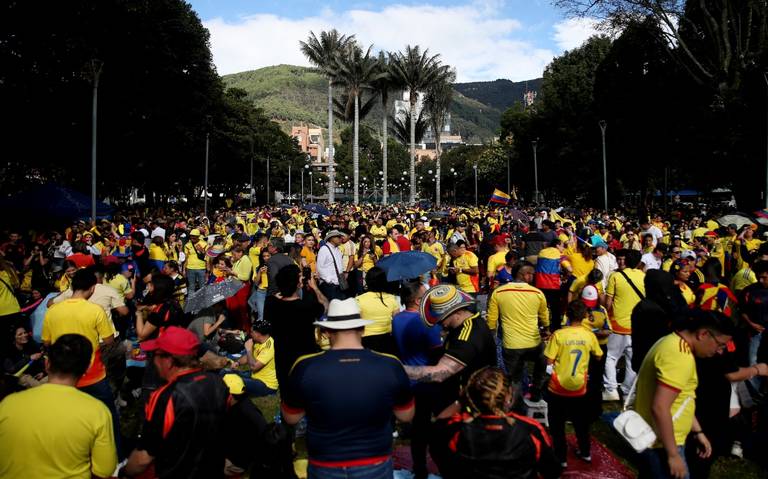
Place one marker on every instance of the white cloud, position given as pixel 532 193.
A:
pixel 474 38
pixel 571 33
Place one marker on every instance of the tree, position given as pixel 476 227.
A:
pixel 322 52
pixel 401 128
pixel 415 71
pixel 382 86
pixel 355 71
pixel 437 103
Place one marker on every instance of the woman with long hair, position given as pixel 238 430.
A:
pixel 366 256
pixel 261 283
pixel 681 271
pixel 483 438
pixel 379 305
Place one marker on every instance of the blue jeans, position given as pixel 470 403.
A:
pixel 383 470
pixel 103 393
pixel 256 301
pixel 754 345
pixel 656 466
pixel 195 279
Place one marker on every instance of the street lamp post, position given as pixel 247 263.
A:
pixel 603 125
pixel 535 144
pixel 96 66
pixel 474 167
pixel 205 186
pixel 311 195
pixel 267 180
pixel 289 180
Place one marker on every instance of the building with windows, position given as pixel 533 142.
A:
pixel 310 141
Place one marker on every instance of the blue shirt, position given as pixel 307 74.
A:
pixel 503 276
pixel 414 339
pixel 348 396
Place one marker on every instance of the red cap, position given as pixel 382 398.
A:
pixel 499 240
pixel 711 233
pixel 174 340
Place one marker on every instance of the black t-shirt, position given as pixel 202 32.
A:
pixel 292 329
pixel 348 396
pixel 472 345
pixel 165 314
pixel 713 394
pixel 184 427
pixel 244 430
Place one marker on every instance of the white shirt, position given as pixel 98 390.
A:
pixel 606 264
pixel 651 261
pixel 325 263
pixel 63 250
pixel 158 232
pixel 653 231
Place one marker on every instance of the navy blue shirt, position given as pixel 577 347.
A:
pixel 349 396
pixel 414 339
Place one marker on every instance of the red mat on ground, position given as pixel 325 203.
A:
pixel 604 464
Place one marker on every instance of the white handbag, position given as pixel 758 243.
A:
pixel 634 429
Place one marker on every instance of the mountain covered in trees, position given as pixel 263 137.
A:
pixel 289 93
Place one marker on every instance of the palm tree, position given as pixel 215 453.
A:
pixel 355 71
pixel 401 128
pixel 414 71
pixel 383 85
pixel 437 103
pixel 321 52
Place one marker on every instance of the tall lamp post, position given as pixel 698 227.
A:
pixel 267 180
pixel 290 165
pixel 535 144
pixel 96 66
pixel 306 167
pixel 311 195
pixel 474 167
pixel 603 126
pixel 205 186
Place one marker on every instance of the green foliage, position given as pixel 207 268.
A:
pixel 498 94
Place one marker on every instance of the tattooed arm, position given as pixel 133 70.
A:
pixel 445 368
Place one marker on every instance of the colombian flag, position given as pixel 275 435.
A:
pixel 499 196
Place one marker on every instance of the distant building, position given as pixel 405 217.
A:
pixel 426 148
pixel 310 141
pixel 529 96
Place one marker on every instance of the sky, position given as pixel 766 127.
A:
pixel 483 39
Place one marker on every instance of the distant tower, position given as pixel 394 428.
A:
pixel 529 96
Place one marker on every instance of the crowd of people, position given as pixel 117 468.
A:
pixel 529 319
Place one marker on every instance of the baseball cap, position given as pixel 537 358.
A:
pixel 174 340
pixel 589 296
pixel 235 384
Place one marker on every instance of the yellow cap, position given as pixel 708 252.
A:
pixel 235 384
pixel 194 232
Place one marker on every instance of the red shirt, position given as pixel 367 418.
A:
pixel 81 260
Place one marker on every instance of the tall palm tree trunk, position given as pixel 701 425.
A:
pixel 384 159
pixel 413 148
pixel 438 153
pixel 356 150
pixel 331 167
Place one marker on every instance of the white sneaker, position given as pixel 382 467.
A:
pixel 611 395
pixel 736 450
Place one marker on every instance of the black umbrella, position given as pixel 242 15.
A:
pixel 211 294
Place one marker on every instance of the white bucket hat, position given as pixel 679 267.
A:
pixel 343 314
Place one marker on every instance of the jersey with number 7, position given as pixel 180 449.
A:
pixel 569 350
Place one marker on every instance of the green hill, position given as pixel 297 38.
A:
pixel 291 94
pixel 500 94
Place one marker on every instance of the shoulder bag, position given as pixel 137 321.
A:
pixel 343 283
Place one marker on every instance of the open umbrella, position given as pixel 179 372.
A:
pixel 211 294
pixel 738 220
pixel 407 265
pixel 318 209
pixel 761 216
pixel 518 215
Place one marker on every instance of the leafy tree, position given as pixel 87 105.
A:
pixel 383 85
pixel 437 103
pixel 355 71
pixel 415 71
pixel 321 52
pixel 401 128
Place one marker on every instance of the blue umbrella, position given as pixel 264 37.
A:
pixel 318 209
pixel 407 265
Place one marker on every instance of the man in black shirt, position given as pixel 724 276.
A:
pixel 184 419
pixel 469 345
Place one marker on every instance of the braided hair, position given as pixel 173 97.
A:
pixel 487 393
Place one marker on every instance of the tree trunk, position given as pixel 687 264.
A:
pixel 356 152
pixel 331 167
pixel 384 158
pixel 413 99
pixel 438 152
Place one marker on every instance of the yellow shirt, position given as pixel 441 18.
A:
pixel 624 298
pixel 581 266
pixel 496 261
pixel 78 316
pixel 8 302
pixel 578 285
pixel 743 278
pixel 688 294
pixel 569 348
pixel 265 354
pixel 464 280
pixel 120 284
pixel 752 245
pixel 310 257
pixel 369 261
pixel 598 321
pixel 378 232
pixel 243 268
pixel 379 308
pixel 521 308
pixel 436 249
pixel 55 431
pixel 157 253
pixel 669 363
pixel 193 262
